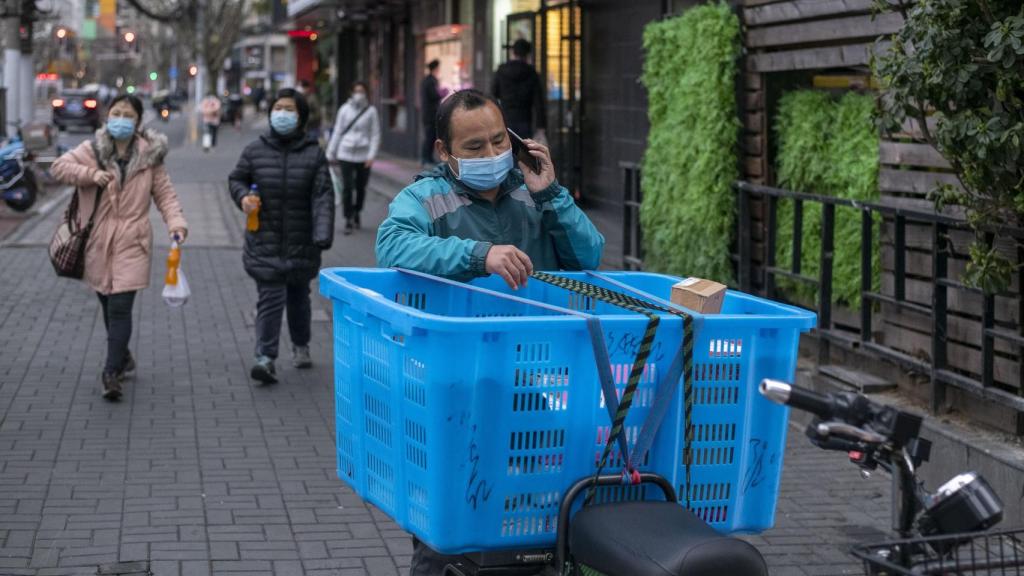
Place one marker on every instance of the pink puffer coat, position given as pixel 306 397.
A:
pixel 119 252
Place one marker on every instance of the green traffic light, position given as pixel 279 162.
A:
pixel 130 90
pixel 153 76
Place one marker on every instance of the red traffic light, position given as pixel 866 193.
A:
pixel 62 33
pixel 129 37
pixel 193 70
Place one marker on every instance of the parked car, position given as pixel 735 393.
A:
pixel 77 108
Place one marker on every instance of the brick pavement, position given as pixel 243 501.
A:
pixel 198 472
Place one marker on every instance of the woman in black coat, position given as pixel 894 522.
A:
pixel 283 178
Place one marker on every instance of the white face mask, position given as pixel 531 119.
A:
pixel 358 98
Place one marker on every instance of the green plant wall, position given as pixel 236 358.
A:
pixel 830 147
pixel 687 215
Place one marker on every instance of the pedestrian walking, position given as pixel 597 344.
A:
pixel 121 168
pixel 430 99
pixel 518 87
pixel 282 179
pixel 308 90
pixel 353 147
pixel 210 109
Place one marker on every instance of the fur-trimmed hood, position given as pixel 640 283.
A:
pixel 148 149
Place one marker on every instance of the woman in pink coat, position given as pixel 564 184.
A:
pixel 127 163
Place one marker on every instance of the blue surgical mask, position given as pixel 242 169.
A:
pixel 284 122
pixel 484 173
pixel 121 128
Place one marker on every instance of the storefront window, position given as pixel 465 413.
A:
pixel 564 28
pixel 521 26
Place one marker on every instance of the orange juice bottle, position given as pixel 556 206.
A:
pixel 173 259
pixel 252 221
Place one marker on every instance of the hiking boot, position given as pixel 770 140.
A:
pixel 263 370
pixel 128 367
pixel 300 357
pixel 111 386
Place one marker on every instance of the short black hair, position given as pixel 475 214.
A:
pixel 131 99
pixel 365 86
pixel 300 103
pixel 433 64
pixel 521 48
pixel 468 99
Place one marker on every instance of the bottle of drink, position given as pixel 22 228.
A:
pixel 252 221
pixel 173 260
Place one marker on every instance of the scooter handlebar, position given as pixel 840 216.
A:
pixel 799 398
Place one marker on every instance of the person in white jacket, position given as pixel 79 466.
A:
pixel 353 145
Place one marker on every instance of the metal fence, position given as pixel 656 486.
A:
pixel 942 375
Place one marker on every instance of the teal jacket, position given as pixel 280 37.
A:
pixel 439 226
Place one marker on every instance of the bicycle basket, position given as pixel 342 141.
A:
pixel 968 554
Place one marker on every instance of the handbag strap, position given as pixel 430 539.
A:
pixel 353 122
pixel 99 190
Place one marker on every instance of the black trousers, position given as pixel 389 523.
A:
pixel 117 317
pixel 213 128
pixel 274 297
pixel 429 136
pixel 354 176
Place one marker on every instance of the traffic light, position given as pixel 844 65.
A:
pixel 129 37
pixel 193 70
pixel 62 33
pixel 153 76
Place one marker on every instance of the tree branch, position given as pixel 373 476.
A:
pixel 168 16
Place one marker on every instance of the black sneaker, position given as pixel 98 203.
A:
pixel 263 370
pixel 355 221
pixel 348 227
pixel 300 357
pixel 111 386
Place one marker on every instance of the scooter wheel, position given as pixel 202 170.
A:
pixel 22 197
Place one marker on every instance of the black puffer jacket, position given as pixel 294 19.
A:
pixel 296 207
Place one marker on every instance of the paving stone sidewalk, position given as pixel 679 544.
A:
pixel 198 472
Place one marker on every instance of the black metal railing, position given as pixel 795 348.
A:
pixel 632 236
pixel 938 367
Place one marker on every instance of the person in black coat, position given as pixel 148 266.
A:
pixel 430 99
pixel 521 92
pixel 283 178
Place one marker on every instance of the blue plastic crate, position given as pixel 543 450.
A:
pixel 465 415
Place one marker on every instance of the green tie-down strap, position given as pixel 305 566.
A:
pixel 682 363
pixel 585 570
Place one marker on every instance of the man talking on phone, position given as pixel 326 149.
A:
pixel 483 211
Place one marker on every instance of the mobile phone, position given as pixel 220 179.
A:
pixel 522 153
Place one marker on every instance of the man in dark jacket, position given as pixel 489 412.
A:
pixel 430 99
pixel 282 178
pixel 519 89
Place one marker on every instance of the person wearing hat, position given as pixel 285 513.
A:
pixel 283 177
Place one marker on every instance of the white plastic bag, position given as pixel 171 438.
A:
pixel 336 184
pixel 176 295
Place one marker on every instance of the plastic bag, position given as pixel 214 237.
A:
pixel 336 183
pixel 176 295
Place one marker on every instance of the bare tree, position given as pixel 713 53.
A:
pixel 221 21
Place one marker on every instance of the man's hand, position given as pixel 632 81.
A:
pixel 510 263
pixel 250 203
pixel 179 235
pixel 102 178
pixel 538 182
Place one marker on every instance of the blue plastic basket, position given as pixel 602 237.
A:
pixel 464 415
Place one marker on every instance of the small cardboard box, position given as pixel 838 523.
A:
pixel 699 295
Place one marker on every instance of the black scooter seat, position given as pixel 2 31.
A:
pixel 657 539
